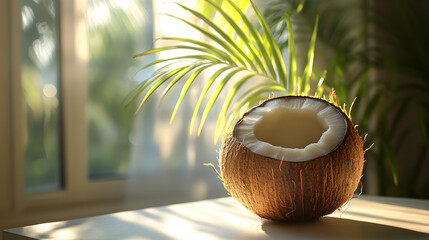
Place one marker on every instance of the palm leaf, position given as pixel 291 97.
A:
pixel 320 88
pixel 220 125
pixel 209 50
pixel 341 89
pixel 185 89
pixel 159 81
pixel 402 106
pixel 138 90
pixel 257 38
pixel 241 51
pixel 261 89
pixel 292 60
pixel 179 76
pixel 206 9
pixel 216 51
pixel 215 95
pixel 204 92
pixel 300 6
pixel 272 45
pixel 176 60
pixel 224 44
pixel 305 84
pixel 239 109
pixel 224 36
pixel 391 157
pixel 243 36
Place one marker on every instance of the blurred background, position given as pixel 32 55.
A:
pixel 119 144
pixel 373 53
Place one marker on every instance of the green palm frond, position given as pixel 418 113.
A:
pixel 242 59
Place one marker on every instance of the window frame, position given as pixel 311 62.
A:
pixel 5 119
pixel 20 207
pixel 80 196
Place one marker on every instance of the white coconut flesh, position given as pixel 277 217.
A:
pixel 292 129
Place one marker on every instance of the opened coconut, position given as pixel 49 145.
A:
pixel 292 158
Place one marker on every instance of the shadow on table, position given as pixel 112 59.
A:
pixel 338 228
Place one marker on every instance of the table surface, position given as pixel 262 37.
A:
pixel 366 217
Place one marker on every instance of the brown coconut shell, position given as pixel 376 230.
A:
pixel 293 191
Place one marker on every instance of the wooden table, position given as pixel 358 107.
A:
pixel 366 217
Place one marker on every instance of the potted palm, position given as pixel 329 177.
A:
pixel 287 153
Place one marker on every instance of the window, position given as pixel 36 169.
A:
pixel 40 80
pixel 117 30
pixel 69 143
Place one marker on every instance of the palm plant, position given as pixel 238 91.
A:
pixel 242 54
pixel 402 57
pixel 341 58
pixel 389 106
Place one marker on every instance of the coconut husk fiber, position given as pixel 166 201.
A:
pixel 293 191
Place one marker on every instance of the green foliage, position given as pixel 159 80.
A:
pixel 388 80
pixel 403 57
pixel 41 154
pixel 241 56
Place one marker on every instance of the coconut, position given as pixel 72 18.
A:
pixel 292 158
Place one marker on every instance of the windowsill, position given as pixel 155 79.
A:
pixel 364 217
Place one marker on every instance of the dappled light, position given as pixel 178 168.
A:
pixel 50 91
pixel 412 216
pixel 27 16
pixel 226 219
pixel 102 14
pixel 42 49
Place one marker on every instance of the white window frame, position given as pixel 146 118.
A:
pixel 80 197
